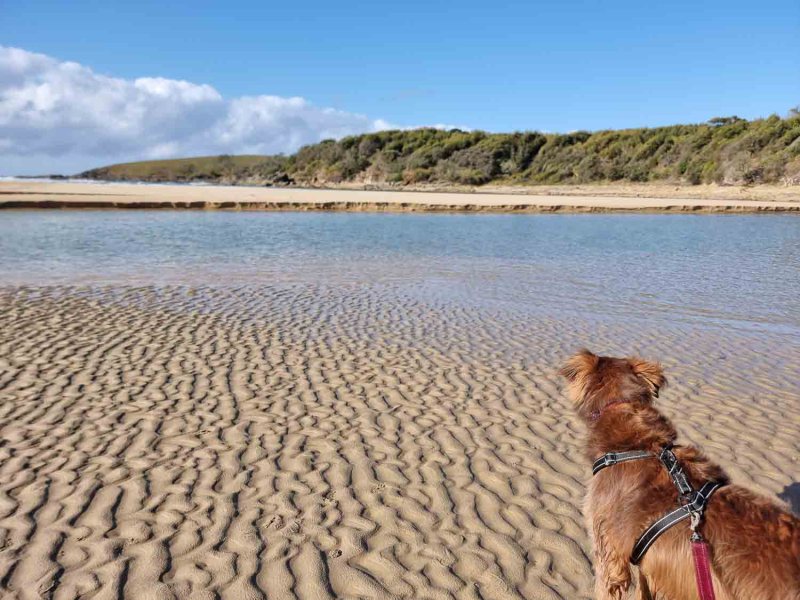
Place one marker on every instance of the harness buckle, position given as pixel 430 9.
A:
pixel 694 520
pixel 611 459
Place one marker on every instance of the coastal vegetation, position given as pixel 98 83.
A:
pixel 724 150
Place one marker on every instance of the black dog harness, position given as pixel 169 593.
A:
pixel 693 502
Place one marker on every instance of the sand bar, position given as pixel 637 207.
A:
pixel 22 194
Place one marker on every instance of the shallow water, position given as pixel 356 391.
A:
pixel 735 270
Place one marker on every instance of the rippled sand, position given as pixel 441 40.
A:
pixel 304 441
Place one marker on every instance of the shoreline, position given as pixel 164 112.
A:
pixel 586 199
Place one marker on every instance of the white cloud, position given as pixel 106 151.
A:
pixel 62 116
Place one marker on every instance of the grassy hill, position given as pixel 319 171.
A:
pixel 724 150
pixel 198 168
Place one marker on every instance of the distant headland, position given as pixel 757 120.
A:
pixel 724 151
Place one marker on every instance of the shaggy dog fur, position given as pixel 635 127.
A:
pixel 754 542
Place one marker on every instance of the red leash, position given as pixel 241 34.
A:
pixel 702 562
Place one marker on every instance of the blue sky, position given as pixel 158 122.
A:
pixel 500 66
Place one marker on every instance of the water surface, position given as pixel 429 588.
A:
pixel 733 270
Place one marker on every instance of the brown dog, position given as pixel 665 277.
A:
pixel 755 544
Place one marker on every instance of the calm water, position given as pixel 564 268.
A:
pixel 741 271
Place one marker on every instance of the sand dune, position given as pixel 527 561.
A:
pixel 31 194
pixel 306 441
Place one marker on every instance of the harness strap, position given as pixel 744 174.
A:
pixel 612 458
pixel 697 504
pixel 676 472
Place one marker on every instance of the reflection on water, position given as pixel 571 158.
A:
pixel 739 270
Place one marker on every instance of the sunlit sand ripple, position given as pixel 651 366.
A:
pixel 304 441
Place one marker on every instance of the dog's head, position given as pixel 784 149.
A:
pixel 596 381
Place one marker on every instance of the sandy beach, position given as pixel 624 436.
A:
pixel 318 441
pixel 31 194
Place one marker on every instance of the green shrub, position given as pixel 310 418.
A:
pixel 709 172
pixel 471 177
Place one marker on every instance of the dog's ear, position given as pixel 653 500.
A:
pixel 580 365
pixel 649 372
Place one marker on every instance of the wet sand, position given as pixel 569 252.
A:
pixel 320 441
pixel 22 194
